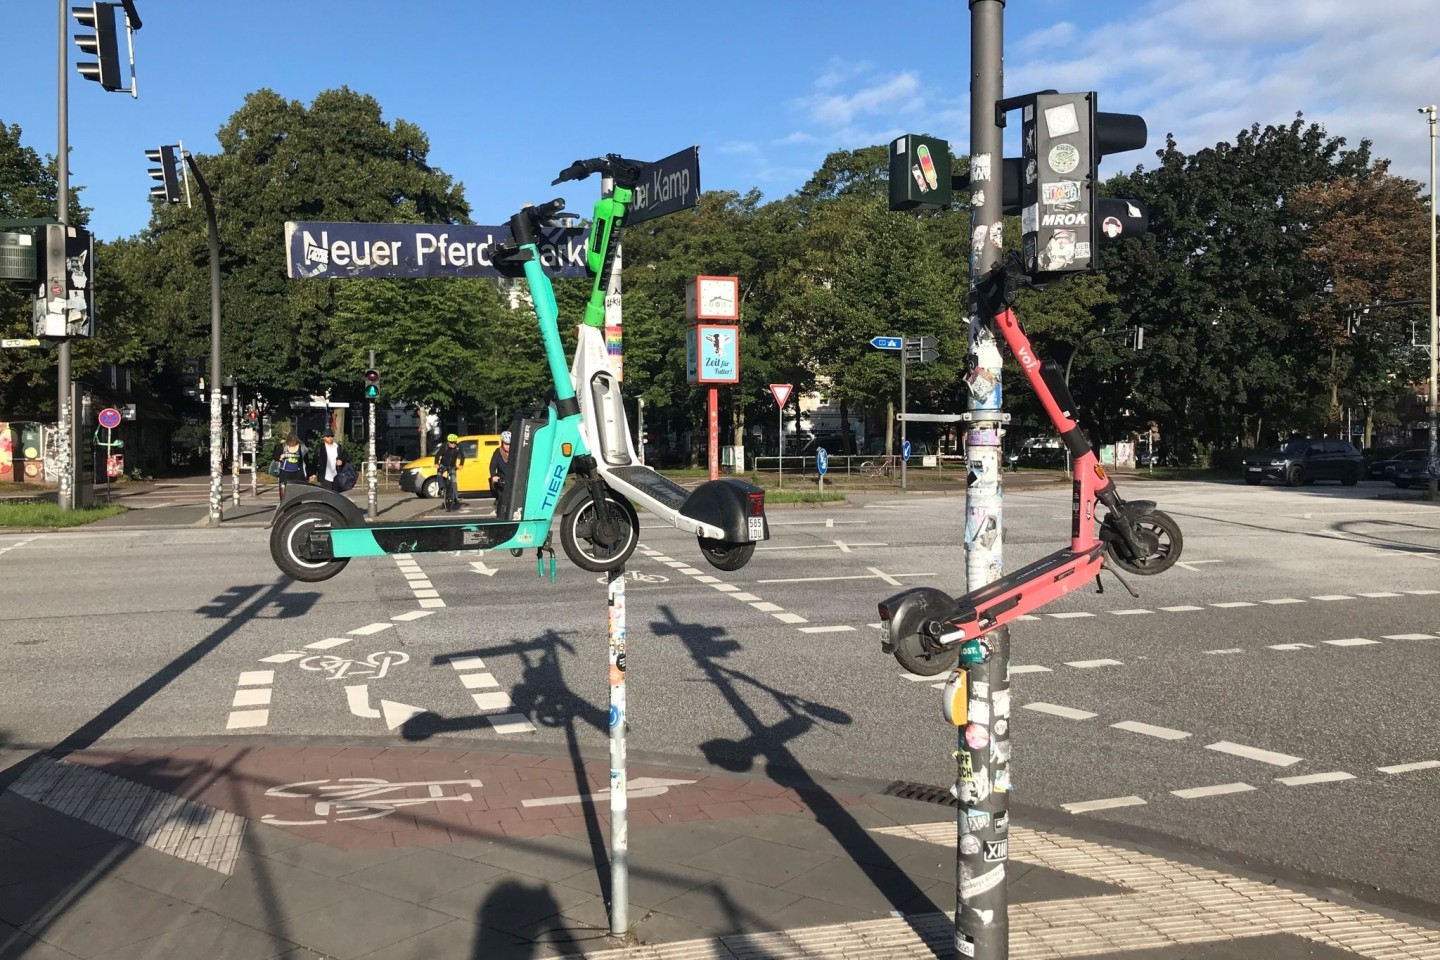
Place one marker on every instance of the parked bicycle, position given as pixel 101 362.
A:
pixel 881 467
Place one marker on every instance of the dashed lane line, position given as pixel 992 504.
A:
pixel 251 705
pixel 1410 767
pixel 1253 753
pixel 1193 793
pixel 1092 664
pixel 1150 730
pixel 1055 710
pixel 1334 776
pixel 1090 806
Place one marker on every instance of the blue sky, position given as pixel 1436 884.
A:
pixel 509 93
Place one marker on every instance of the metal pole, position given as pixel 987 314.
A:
pixel 640 433
pixel 982 925
pixel 216 441
pixel 64 412
pixel 1430 111
pixel 372 493
pixel 903 461
pixel 619 806
pixel 780 413
pixel 712 421
pixel 235 444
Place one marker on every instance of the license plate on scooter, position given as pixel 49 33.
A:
pixel 757 528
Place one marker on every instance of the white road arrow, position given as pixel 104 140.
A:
pixel 479 567
pixel 640 787
pixel 394 714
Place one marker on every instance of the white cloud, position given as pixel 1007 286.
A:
pixel 898 93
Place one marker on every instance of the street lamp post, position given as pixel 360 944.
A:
pixel 217 451
pixel 1430 118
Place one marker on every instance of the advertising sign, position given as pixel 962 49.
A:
pixel 347 250
pixel 712 353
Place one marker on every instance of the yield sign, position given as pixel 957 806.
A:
pixel 781 391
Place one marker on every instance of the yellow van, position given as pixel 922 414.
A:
pixel 419 476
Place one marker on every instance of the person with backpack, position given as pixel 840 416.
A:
pixel 292 460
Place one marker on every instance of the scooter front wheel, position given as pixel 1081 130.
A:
pixel 912 654
pixel 1159 535
pixel 289 536
pixel 723 555
pixel 580 537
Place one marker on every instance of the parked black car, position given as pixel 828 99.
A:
pixel 1305 461
pixel 1385 469
pixel 1412 473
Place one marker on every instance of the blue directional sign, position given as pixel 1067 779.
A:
pixel 822 461
pixel 887 343
pixel 905 451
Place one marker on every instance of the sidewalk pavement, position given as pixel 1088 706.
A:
pixel 245 848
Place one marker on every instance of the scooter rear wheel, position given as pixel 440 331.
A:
pixel 1159 535
pixel 577 535
pixel 288 537
pixel 723 555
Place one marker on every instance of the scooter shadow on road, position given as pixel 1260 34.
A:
pixel 708 646
pixel 544 697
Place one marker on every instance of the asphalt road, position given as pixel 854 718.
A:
pixel 1297 640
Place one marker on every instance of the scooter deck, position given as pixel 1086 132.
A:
pixel 379 539
pixel 1016 594
pixel 660 488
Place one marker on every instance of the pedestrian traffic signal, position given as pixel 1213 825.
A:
pixel 102 44
pixel 1062 220
pixel 168 173
pixel 372 384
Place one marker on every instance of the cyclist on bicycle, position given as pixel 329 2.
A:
pixel 448 460
pixel 500 468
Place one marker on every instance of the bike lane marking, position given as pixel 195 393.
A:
pixel 253 692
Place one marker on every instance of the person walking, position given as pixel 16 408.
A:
pixel 293 459
pixel 448 461
pixel 500 470
pixel 328 461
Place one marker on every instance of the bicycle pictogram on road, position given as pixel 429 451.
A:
pixel 374 667
pixel 362 798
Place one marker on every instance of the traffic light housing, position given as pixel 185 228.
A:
pixel 103 44
pixel 1135 338
pixel 1063 221
pixel 65 301
pixel 168 173
pixel 372 384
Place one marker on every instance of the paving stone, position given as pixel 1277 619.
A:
pixel 210 937
pixel 728 905
pixel 361 923
pixel 1036 883
pixel 454 938
pixel 868 887
pixel 508 903
pixel 263 892
pixel 650 883
pixel 40 890
pixel 16 944
pixel 759 861
pixel 321 858
pixel 110 914
pixel 544 858
pixel 421 875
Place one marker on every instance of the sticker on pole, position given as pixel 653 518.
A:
pixel 781 391
pixel 905 451
pixel 822 461
pixel 109 418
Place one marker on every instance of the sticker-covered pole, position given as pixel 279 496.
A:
pixel 982 928
pixel 372 496
pixel 713 421
pixel 619 807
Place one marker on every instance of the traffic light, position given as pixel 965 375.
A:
pixel 168 173
pixel 103 44
pixel 1135 338
pixel 1062 220
pixel 65 303
pixel 372 384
